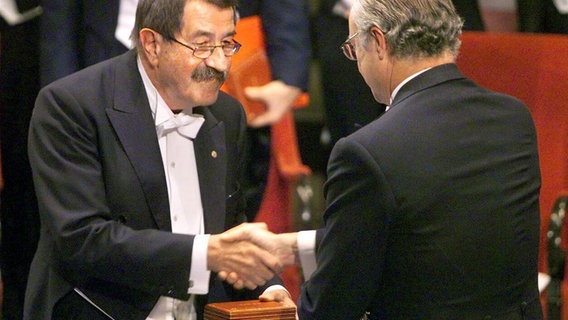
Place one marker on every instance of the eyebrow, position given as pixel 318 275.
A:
pixel 200 33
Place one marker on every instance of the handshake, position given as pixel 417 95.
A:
pixel 249 255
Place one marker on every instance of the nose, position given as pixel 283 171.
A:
pixel 218 60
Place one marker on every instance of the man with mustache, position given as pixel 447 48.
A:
pixel 137 163
pixel 208 74
pixel 79 33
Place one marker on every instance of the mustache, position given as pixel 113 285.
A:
pixel 208 74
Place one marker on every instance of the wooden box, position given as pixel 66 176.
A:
pixel 250 309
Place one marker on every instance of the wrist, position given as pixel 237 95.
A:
pixel 291 241
pixel 213 247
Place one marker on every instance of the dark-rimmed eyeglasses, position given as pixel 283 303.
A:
pixel 204 52
pixel 348 48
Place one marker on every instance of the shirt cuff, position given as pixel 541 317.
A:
pixel 199 275
pixel 307 252
pixel 277 287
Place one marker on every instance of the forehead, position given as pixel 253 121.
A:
pixel 202 18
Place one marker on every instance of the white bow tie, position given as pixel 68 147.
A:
pixel 187 125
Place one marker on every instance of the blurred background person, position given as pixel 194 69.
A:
pixel 286 29
pixel 543 16
pixel 19 84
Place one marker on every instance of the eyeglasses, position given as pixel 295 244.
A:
pixel 348 48
pixel 204 52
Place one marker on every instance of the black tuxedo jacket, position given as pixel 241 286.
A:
pixel 432 210
pixel 103 198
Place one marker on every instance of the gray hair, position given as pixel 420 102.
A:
pixel 412 28
pixel 166 16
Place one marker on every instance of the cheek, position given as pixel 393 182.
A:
pixel 201 93
pixel 175 70
pixel 187 90
pixel 370 74
pixel 366 72
pixel 181 74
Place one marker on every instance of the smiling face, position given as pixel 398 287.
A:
pixel 182 79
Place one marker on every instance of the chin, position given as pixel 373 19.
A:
pixel 208 99
pixel 206 95
pixel 379 99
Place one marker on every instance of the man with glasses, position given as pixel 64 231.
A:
pixel 433 208
pixel 348 103
pixel 78 33
pixel 137 163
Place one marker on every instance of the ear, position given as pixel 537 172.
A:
pixel 150 41
pixel 379 41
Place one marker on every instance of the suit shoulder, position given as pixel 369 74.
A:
pixel 94 76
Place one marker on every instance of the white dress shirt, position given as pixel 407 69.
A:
pixel 186 211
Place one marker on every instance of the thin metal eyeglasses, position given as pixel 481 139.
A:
pixel 348 48
pixel 204 52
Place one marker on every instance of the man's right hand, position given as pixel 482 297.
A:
pixel 282 246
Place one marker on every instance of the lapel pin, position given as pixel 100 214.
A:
pixel 214 154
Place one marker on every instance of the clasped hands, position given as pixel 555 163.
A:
pixel 249 255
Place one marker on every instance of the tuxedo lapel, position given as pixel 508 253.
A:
pixel 211 158
pixel 132 121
